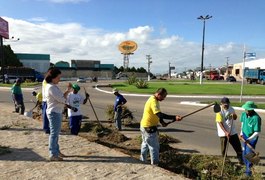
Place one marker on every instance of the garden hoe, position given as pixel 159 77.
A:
pixel 216 109
pixel 101 127
pixel 253 156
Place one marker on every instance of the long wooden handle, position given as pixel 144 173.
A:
pixel 199 110
pixel 252 149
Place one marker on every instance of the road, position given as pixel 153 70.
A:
pixel 197 132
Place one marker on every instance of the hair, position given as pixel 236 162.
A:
pixel 51 74
pixel 161 91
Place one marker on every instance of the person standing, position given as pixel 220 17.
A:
pixel 55 102
pixel 45 121
pixel 152 115
pixel 250 129
pixel 75 100
pixel 119 101
pixel 17 96
pixel 226 129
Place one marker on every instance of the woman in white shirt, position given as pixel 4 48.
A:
pixel 55 101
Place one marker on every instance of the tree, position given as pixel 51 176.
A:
pixel 10 59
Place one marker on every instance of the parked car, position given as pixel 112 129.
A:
pixel 231 79
pixel 81 80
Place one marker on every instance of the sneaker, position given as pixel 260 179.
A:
pixel 61 155
pixel 54 158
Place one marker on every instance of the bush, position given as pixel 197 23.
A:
pixel 141 84
pixel 126 113
pixel 131 80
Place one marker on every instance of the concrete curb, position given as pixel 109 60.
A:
pixel 192 103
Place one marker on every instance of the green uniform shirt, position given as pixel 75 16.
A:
pixel 16 89
pixel 251 124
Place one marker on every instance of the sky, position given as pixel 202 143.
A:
pixel 168 30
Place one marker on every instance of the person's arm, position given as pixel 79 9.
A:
pixel 227 134
pixel 163 116
pixel 85 100
pixel 253 136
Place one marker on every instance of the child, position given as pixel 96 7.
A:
pixel 74 99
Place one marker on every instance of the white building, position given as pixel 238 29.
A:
pixel 251 64
pixel 39 62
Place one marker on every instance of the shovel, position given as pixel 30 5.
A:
pixel 253 156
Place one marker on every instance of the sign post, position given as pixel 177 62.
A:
pixel 127 48
pixel 4 33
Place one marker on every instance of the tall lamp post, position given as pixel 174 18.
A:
pixel 203 35
pixel 148 57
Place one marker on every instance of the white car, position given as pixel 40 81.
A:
pixel 81 80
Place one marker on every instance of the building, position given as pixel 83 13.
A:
pixel 39 62
pixel 253 64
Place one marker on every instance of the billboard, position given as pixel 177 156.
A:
pixel 4 28
pixel 127 47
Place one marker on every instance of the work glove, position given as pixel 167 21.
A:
pixel 72 108
pixel 87 95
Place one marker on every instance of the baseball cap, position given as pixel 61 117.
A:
pixel 76 87
pixel 225 100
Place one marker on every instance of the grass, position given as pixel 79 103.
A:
pixel 23 85
pixel 187 88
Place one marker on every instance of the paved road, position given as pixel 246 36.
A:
pixel 197 133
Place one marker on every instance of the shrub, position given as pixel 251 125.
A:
pixel 131 80
pixel 126 113
pixel 141 84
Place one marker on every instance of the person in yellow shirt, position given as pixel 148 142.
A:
pixel 152 116
pixel 38 97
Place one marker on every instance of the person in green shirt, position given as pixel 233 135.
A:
pixel 250 129
pixel 17 96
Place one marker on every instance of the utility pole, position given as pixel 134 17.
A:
pixel 227 64
pixel 148 57
pixel 169 70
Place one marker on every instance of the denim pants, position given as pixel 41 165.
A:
pixel 150 142
pixel 246 151
pixel 55 120
pixel 117 118
pixel 45 120
pixel 75 124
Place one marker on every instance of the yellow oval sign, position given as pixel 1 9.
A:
pixel 127 47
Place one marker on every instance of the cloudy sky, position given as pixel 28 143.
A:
pixel 168 30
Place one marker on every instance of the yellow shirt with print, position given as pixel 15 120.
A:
pixel 150 109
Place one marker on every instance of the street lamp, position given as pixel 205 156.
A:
pixel 148 57
pixel 204 19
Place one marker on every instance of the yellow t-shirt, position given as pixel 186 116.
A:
pixel 150 109
pixel 39 97
pixel 219 117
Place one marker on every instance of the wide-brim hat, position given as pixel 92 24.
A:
pixel 249 105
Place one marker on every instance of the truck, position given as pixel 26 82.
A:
pixel 255 76
pixel 24 73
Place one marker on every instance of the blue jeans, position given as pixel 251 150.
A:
pixel 55 120
pixel 246 151
pixel 150 142
pixel 75 124
pixel 117 118
pixel 45 120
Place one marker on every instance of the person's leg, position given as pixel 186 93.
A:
pixel 22 106
pixel 79 122
pixel 223 141
pixel 144 146
pixel 153 144
pixel 117 119
pixel 55 120
pixel 45 120
pixel 245 152
pixel 74 124
pixel 235 142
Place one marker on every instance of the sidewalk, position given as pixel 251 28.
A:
pixel 85 160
